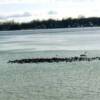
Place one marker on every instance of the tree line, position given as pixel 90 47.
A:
pixel 51 23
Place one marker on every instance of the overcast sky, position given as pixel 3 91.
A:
pixel 26 10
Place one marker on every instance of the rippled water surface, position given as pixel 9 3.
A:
pixel 49 81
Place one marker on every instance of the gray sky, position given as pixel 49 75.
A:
pixel 26 10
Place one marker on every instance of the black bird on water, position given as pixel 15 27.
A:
pixel 84 54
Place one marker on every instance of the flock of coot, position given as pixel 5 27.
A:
pixel 82 57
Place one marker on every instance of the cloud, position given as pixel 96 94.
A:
pixel 52 13
pixel 25 14
pixel 44 9
pixel 7 1
pixel 77 0
pixel 22 1
pixel 2 18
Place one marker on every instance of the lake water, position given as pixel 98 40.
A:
pixel 49 81
pixel 55 39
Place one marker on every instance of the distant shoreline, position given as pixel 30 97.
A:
pixel 49 29
pixel 51 24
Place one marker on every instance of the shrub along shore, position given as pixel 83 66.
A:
pixel 51 23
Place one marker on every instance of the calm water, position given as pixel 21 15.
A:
pixel 54 81
pixel 56 39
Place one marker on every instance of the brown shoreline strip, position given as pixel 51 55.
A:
pixel 54 59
